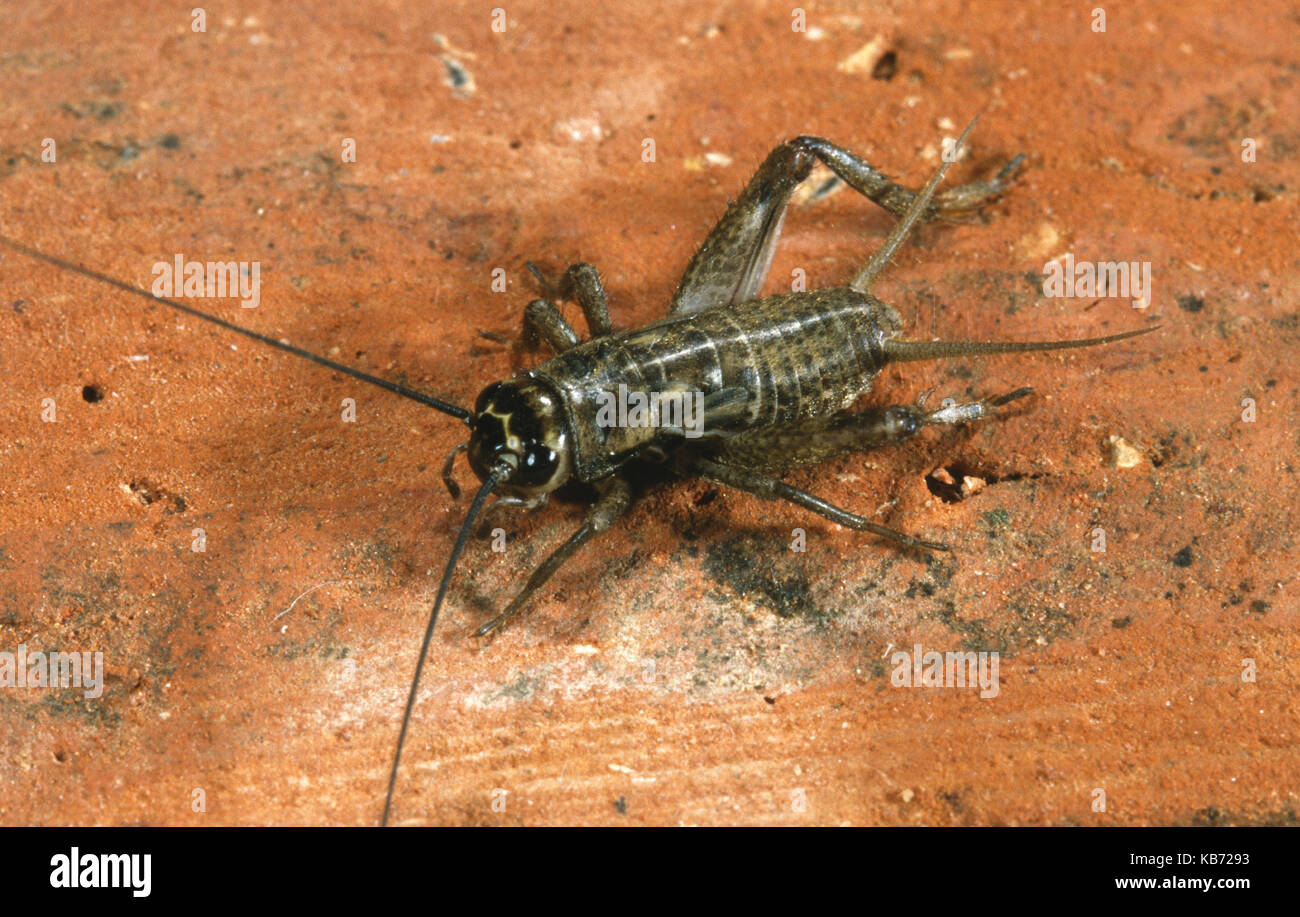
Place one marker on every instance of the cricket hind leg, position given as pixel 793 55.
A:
pixel 814 441
pixel 769 488
pixel 954 203
pixel 608 508
pixel 745 461
pixel 957 200
pixel 961 202
pixel 733 263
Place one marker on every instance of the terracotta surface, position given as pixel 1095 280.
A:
pixel 691 668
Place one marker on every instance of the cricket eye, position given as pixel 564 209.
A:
pixel 539 465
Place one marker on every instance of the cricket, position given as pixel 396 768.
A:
pixel 773 378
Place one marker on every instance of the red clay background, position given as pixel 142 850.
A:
pixel 690 668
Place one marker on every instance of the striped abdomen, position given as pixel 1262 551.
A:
pixel 788 357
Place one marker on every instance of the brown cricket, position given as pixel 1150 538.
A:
pixel 774 376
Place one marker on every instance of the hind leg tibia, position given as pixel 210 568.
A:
pixel 732 264
pixel 769 488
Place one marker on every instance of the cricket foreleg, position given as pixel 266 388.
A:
pixel 581 283
pixel 769 488
pixel 604 512
pixel 544 323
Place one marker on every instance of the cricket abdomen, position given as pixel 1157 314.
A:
pixel 793 357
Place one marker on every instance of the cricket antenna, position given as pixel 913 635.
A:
pixel 902 351
pixel 495 476
pixel 436 403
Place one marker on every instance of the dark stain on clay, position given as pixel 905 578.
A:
pixel 759 569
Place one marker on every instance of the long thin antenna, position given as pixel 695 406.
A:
pixel 495 477
pixel 862 282
pixel 435 403
pixel 900 351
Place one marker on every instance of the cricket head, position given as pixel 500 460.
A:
pixel 520 423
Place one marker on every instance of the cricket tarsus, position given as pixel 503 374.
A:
pixel 495 476
pixel 436 403
pixel 882 256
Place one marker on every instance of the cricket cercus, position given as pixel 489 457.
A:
pixel 774 377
